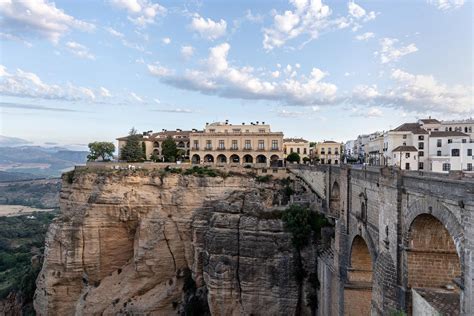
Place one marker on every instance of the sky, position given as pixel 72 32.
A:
pixel 72 72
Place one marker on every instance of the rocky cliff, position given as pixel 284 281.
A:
pixel 163 243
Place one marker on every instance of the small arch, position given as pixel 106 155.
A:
pixel 274 160
pixel 361 261
pixel 156 144
pixel 180 144
pixel 234 159
pixel 248 159
pixel 208 158
pixel 221 158
pixel 261 159
pixel 334 200
pixel 196 159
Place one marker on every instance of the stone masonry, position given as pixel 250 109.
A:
pixel 396 232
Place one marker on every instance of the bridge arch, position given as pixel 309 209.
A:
pixel 358 289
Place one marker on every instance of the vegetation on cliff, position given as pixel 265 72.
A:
pixel 21 247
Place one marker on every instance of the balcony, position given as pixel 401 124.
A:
pixel 208 148
pixel 220 148
pixel 274 149
pixel 247 148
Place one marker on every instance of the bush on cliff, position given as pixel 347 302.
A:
pixel 301 222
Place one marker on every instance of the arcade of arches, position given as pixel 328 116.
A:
pixel 273 160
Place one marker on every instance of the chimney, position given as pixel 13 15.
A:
pixel 263 123
pixel 257 122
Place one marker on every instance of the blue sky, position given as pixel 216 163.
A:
pixel 76 71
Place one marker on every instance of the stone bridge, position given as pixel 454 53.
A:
pixel 404 241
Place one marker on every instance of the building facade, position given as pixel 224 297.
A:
pixel 154 141
pixel 296 145
pixel 329 152
pixel 450 150
pixel 224 143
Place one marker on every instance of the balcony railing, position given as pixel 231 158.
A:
pixel 220 148
pixel 208 147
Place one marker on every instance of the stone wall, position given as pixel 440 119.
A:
pixel 400 216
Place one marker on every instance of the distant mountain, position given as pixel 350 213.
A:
pixel 39 161
pixel 12 141
pixel 17 176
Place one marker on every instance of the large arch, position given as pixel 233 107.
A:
pixel 358 290
pixel 335 199
pixel 274 160
pixel 196 159
pixel 248 159
pixel 221 158
pixel 431 249
pixel 234 159
pixel 261 159
pixel 208 158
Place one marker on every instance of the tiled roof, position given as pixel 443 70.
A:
pixel 294 140
pixel 405 148
pixel 430 121
pixel 415 128
pixel 329 142
pixel 445 302
pixel 447 133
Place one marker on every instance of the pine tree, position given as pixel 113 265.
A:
pixel 169 149
pixel 132 151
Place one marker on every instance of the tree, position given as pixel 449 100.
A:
pixel 154 157
pixel 144 150
pixel 293 157
pixel 312 144
pixel 103 150
pixel 132 151
pixel 306 159
pixel 169 149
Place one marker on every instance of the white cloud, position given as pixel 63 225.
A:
pixel 208 28
pixel 388 52
pixel 141 12
pixel 158 70
pixel 104 92
pixel 177 110
pixel 158 101
pixel 187 51
pixel 39 18
pixel 29 85
pixel 15 38
pixel 166 40
pixel 310 18
pixel 136 97
pixel 275 74
pixel 374 112
pixel 221 78
pixel 114 32
pixel 447 4
pixel 255 18
pixel 365 37
pixel 418 93
pixel 79 50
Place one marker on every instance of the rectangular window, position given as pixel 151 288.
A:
pixel 275 144
pixel 298 150
pixel 421 153
pixel 439 143
pixel 262 130
pixel 450 141
pixel 261 144
pixel 304 151
pixel 212 131
pixel 291 150
pixel 329 151
pixel 234 144
pixel 248 144
pixel 208 144
pixel 322 151
pixel 446 167
pixel 329 161
pixel 404 136
pixel 464 140
pixel 407 155
pixel 407 166
pixel 455 152
pixel 196 144
pixel 469 167
pixel 469 152
pixel 421 137
pixel 438 153
pixel 421 145
pixel 420 166
pixel 221 144
pixel 236 130
pixel 322 161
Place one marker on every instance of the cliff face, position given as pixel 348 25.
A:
pixel 138 242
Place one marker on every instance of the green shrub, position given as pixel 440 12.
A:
pixel 264 179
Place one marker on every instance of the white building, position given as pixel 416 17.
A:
pixel 450 150
pixel 408 134
pixel 405 157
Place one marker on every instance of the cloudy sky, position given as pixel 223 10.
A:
pixel 77 71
